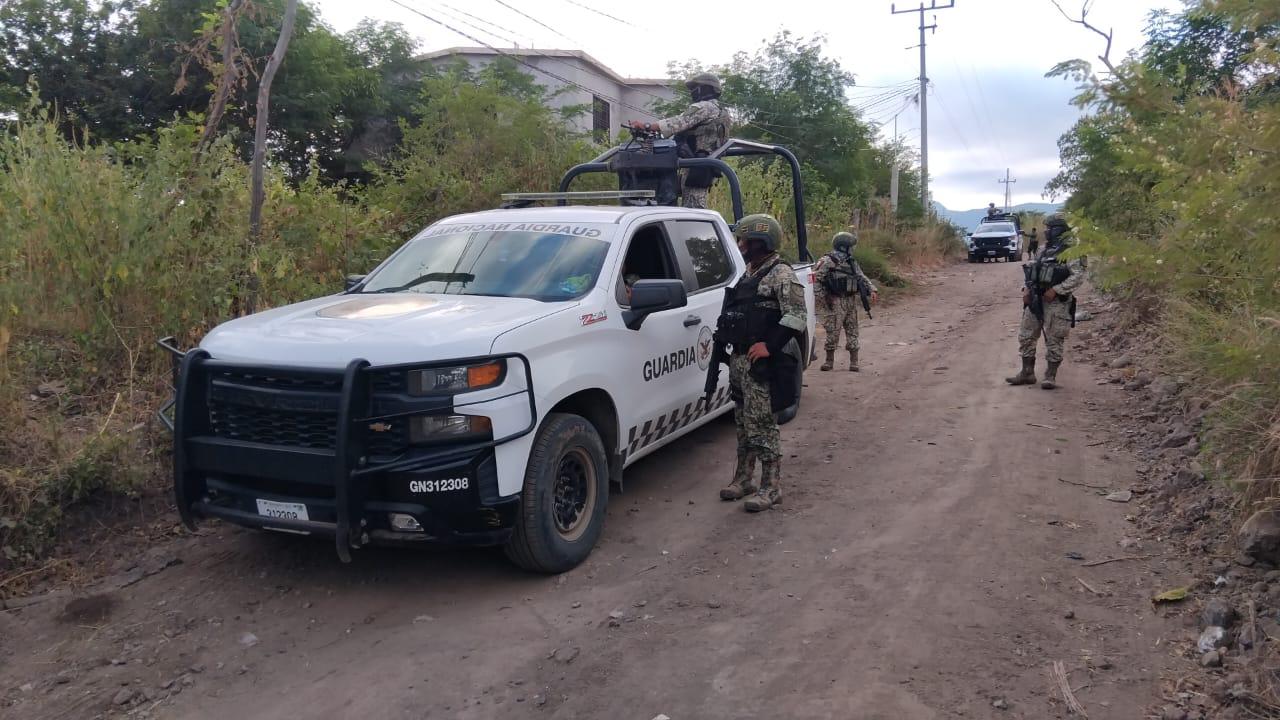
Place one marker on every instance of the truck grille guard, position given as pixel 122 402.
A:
pixel 190 417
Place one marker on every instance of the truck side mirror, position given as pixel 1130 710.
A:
pixel 352 281
pixel 651 296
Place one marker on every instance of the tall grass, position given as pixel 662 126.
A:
pixel 104 248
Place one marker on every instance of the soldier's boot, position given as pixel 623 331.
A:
pixel 1028 374
pixel 853 361
pixel 1050 376
pixel 743 483
pixel 770 492
pixel 830 362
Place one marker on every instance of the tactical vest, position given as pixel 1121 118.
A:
pixel 750 317
pixel 701 141
pixel 840 280
pixel 1047 271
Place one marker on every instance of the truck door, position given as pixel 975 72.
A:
pixel 704 256
pixel 665 358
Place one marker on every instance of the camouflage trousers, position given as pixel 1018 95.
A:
pixel 1055 328
pixel 842 313
pixel 757 428
pixel 695 197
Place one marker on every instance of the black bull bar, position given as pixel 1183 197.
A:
pixel 198 451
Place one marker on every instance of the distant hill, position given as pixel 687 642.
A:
pixel 969 219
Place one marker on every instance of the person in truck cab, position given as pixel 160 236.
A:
pixel 763 315
pixel 698 131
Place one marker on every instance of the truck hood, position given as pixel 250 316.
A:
pixel 992 234
pixel 383 329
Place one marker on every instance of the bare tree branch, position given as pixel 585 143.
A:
pixel 1105 57
pixel 260 143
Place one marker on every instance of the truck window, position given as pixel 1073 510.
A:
pixel 704 250
pixel 648 258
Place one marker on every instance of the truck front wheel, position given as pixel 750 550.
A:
pixel 566 488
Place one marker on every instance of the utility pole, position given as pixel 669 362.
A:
pixel 924 94
pixel 893 178
pixel 1008 188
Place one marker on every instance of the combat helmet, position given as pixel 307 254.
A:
pixel 760 226
pixel 1056 229
pixel 844 242
pixel 705 80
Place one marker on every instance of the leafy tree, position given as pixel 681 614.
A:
pixel 75 51
pixel 790 93
pixel 124 69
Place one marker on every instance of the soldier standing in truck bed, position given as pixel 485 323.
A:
pixel 699 130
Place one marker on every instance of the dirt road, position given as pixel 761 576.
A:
pixel 919 568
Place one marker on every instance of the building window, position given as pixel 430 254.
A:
pixel 600 125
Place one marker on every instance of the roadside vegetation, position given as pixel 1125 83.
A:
pixel 1171 178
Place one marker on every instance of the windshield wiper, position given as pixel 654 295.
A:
pixel 444 277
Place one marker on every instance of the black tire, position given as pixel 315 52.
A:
pixel 562 505
pixel 973 258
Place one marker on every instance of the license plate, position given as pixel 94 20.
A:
pixel 282 510
pixel 991 252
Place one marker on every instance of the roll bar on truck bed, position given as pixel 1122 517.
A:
pixel 612 161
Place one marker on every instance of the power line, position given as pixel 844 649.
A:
pixel 535 20
pixel 983 97
pixel 486 22
pixel 602 14
pixel 519 59
pixel 473 26
pixel 879 90
pixel 884 87
pixel 946 115
pixel 884 102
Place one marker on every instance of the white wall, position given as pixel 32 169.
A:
pixel 593 80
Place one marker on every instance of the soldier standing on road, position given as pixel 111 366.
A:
pixel 1033 244
pixel 698 131
pixel 835 288
pixel 762 321
pixel 1056 281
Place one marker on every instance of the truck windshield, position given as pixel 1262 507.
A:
pixel 539 261
pixel 1006 228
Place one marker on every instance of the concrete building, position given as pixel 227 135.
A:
pixel 576 79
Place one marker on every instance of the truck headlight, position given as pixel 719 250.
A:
pixel 429 429
pixel 456 379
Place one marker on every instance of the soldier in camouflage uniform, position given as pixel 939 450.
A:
pixel 699 130
pixel 835 288
pixel 1057 302
pixel 769 300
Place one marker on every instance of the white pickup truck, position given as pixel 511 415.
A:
pixel 482 385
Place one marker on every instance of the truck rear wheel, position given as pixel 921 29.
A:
pixel 566 489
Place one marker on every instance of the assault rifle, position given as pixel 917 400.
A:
pixel 864 292
pixel 719 350
pixel 1036 301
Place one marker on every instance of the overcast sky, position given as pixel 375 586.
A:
pixel 990 107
